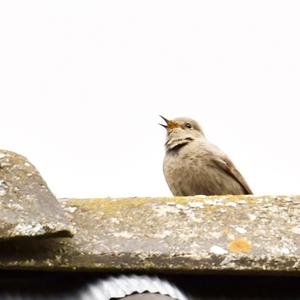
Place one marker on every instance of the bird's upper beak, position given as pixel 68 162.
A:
pixel 169 123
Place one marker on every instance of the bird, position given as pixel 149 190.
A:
pixel 194 166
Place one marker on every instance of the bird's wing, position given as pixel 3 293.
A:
pixel 228 167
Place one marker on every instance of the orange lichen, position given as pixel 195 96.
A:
pixel 239 246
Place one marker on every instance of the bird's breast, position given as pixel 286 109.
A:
pixel 180 168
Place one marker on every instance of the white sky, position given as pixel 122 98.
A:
pixel 82 84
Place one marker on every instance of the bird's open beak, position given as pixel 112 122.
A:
pixel 170 124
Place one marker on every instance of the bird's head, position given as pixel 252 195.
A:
pixel 182 125
pixel 181 130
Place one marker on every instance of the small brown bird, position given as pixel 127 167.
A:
pixel 194 166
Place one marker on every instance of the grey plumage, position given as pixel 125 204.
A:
pixel 194 166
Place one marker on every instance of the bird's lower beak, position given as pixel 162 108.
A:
pixel 170 124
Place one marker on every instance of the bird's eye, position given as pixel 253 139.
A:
pixel 188 125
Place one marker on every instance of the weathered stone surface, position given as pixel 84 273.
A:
pixel 27 207
pixel 192 234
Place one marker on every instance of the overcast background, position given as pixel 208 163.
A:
pixel 82 84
